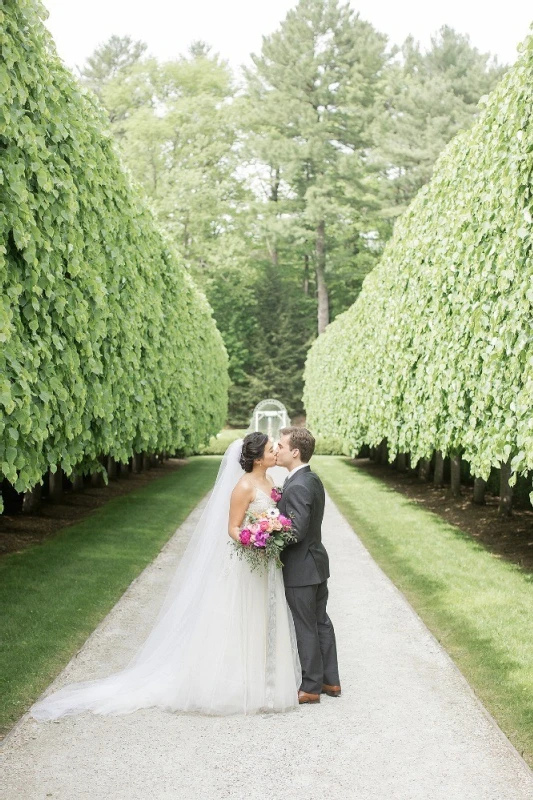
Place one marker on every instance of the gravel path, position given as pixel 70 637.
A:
pixel 408 726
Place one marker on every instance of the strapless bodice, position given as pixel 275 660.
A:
pixel 261 502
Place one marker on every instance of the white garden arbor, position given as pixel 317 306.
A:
pixel 269 417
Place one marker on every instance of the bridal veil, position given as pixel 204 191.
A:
pixel 206 650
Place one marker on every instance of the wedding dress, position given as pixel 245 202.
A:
pixel 223 642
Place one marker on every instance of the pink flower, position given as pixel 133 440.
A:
pixel 276 494
pixel 276 525
pixel 255 527
pixel 285 521
pixel 264 525
pixel 245 536
pixel 261 539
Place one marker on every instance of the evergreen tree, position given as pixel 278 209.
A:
pixel 311 99
pixel 111 59
pixel 429 97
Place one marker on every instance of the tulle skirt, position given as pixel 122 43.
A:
pixel 232 649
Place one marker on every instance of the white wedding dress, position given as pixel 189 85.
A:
pixel 224 640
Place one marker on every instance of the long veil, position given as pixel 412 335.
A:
pixel 164 670
pixel 203 557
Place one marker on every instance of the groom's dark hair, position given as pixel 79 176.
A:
pixel 300 439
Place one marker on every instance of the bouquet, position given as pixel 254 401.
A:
pixel 264 536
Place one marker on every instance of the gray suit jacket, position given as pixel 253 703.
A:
pixel 305 562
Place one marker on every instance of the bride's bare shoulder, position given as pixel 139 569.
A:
pixel 243 487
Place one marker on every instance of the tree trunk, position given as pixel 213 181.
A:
pixel 147 461
pixel 154 460
pixel 424 466
pixel 97 480
pixel 438 475
pixel 506 491
pixel 31 500
pixel 306 275
pixel 111 467
pixel 274 185
pixel 455 480
pixel 77 482
pixel 401 462
pixel 55 485
pixel 384 452
pixel 372 453
pixel 137 463
pixel 275 179
pixel 479 491
pixel 322 289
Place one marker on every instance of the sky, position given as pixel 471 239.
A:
pixel 235 28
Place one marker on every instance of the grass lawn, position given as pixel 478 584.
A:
pixel 478 606
pixel 53 595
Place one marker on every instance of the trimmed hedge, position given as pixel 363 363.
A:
pixel 107 347
pixel 437 352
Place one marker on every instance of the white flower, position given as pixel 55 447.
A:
pixel 273 513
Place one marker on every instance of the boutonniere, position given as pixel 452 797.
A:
pixel 276 493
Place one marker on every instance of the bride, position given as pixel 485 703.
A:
pixel 224 640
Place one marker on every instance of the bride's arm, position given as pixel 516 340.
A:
pixel 241 498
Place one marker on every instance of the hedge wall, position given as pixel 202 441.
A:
pixel 107 347
pixel 437 352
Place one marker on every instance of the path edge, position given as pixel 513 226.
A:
pixel 102 622
pixel 421 623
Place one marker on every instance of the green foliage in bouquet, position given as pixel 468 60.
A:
pixel 260 547
pixel 437 352
pixel 107 347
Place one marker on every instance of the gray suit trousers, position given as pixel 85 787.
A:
pixel 315 635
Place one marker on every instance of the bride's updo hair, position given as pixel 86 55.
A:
pixel 253 446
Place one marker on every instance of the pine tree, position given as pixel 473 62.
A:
pixel 311 98
pixel 429 97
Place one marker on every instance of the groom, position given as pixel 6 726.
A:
pixel 306 567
